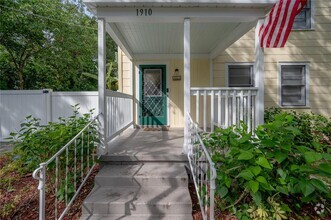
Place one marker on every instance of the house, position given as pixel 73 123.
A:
pixel 193 64
pixel 303 63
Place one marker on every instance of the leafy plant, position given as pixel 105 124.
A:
pixel 252 169
pixel 36 143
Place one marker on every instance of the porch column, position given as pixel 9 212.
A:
pixel 187 82
pixel 259 75
pixel 102 79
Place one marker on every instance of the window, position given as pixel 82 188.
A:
pixel 293 85
pixel 240 75
pixel 303 20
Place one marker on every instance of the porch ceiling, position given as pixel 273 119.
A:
pixel 167 38
pixel 215 24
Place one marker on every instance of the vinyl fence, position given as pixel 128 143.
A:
pixel 47 105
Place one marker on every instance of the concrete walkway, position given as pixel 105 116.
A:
pixel 143 177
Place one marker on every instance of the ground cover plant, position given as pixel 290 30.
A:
pixel 34 144
pixel 283 172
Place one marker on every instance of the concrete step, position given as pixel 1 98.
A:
pixel 150 174
pixel 141 158
pixel 136 217
pixel 146 200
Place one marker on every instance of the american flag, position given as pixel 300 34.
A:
pixel 278 24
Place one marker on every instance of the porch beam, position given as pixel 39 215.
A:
pixel 176 15
pixel 159 56
pixel 239 31
pixel 102 80
pixel 187 82
pixel 117 36
pixel 259 75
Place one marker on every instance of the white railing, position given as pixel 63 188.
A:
pixel 223 107
pixel 119 113
pixel 64 174
pixel 203 171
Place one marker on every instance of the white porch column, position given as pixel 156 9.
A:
pixel 259 75
pixel 102 80
pixel 187 82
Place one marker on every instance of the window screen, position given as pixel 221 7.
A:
pixel 303 19
pixel 293 85
pixel 240 75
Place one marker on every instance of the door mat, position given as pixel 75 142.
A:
pixel 156 129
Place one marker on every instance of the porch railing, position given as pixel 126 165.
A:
pixel 64 174
pixel 222 107
pixel 120 115
pixel 203 171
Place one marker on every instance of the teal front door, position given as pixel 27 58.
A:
pixel 153 95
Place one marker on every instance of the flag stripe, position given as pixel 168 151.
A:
pixel 290 23
pixel 278 28
pixel 278 24
pixel 283 25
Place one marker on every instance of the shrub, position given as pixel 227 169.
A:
pixel 315 130
pixel 268 175
pixel 36 143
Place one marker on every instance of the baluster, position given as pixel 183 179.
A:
pixel 88 148
pixel 219 108
pixel 234 107
pixel 227 108
pixel 75 165
pixel 56 183
pixel 255 112
pixel 205 111
pixel 82 159
pixel 249 114
pixel 241 104
pixel 212 110
pixel 67 171
pixel 197 107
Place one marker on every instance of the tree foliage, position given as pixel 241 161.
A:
pixel 48 44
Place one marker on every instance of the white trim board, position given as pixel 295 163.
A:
pixel 177 14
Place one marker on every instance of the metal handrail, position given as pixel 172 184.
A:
pixel 197 166
pixel 40 173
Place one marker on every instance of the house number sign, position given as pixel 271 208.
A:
pixel 144 12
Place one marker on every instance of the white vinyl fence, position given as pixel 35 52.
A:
pixel 15 105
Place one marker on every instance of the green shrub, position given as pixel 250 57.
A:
pixel 36 143
pixel 269 175
pixel 315 130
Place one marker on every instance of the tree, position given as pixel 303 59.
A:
pixel 48 44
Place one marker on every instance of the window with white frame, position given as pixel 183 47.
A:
pixel 293 85
pixel 303 20
pixel 240 75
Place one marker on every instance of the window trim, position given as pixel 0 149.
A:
pixel 306 66
pixel 227 65
pixel 312 20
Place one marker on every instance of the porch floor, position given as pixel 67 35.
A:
pixel 147 146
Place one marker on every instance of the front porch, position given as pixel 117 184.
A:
pixel 161 40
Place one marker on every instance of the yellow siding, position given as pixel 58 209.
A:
pixel 124 73
pixel 312 46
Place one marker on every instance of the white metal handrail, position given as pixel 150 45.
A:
pixel 83 145
pixel 225 106
pixel 203 171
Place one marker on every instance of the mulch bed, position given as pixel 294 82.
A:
pixel 22 198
